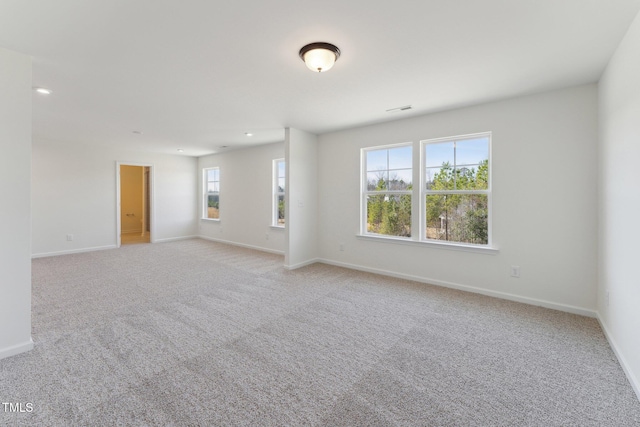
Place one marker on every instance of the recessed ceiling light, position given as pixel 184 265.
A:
pixel 223 146
pixel 248 133
pixel 180 150
pixel 42 90
pixel 137 132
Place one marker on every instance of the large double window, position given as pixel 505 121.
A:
pixel 454 190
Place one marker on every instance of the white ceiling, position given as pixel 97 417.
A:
pixel 198 74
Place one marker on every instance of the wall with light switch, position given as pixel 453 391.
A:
pixel 15 204
pixel 75 194
pixel 619 203
pixel 544 207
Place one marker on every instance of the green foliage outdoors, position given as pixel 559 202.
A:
pixel 213 206
pixel 213 201
pixel 452 217
pixel 281 211
pixel 459 217
pixel 387 213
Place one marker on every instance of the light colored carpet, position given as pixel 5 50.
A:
pixel 200 333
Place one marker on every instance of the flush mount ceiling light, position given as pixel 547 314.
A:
pixel 319 56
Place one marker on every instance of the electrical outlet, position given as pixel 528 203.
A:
pixel 266 236
pixel 69 237
pixel 515 271
pixel 342 246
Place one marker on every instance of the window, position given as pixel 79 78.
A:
pixel 212 193
pixel 452 203
pixel 279 172
pixel 456 189
pixel 388 177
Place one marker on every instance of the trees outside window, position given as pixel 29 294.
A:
pixel 211 193
pixel 387 196
pixel 279 175
pixel 454 190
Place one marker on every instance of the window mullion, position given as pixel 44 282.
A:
pixel 455 175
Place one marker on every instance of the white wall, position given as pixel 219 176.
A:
pixel 74 192
pixel 15 209
pixel 619 200
pixel 301 198
pixel 544 205
pixel 245 198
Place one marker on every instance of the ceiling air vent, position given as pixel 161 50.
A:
pixel 395 110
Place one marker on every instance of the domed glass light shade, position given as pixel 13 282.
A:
pixel 319 57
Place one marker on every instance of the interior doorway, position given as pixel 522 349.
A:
pixel 134 204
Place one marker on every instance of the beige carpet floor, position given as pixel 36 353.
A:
pixel 195 333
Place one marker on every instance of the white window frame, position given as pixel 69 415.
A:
pixel 276 193
pixel 424 192
pixel 205 193
pixel 365 192
pixel 418 196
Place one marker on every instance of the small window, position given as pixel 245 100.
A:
pixel 279 171
pixel 457 189
pixel 211 193
pixel 388 184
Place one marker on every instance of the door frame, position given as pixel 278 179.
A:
pixel 151 207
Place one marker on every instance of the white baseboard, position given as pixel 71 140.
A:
pixel 302 264
pixel 102 248
pixel 73 251
pixel 174 239
pixel 16 349
pixel 635 384
pixel 242 245
pixel 496 294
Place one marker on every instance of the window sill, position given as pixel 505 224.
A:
pixel 211 219
pixel 436 245
pixel 277 227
